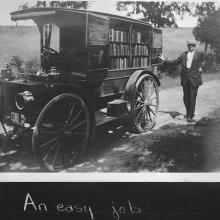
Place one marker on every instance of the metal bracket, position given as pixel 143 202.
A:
pixel 4 128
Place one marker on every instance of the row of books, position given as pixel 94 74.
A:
pixel 119 63
pixel 118 36
pixel 123 36
pixel 118 49
pixel 140 50
pixel 123 63
pixel 140 62
pixel 139 37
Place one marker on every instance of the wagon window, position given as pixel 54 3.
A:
pixel 51 37
pixel 97 57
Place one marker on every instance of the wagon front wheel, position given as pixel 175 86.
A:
pixel 145 103
pixel 61 132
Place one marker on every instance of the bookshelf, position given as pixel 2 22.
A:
pixel 119 49
pixel 140 53
pixel 128 50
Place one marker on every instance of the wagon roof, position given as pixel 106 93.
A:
pixel 32 13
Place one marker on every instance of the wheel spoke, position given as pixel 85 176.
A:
pixel 55 156
pixel 140 106
pixel 79 124
pixel 50 150
pixel 71 112
pixel 141 111
pixel 49 142
pixel 139 94
pixel 143 90
pixel 139 101
pixel 152 98
pixel 148 94
pixel 78 133
pixel 74 119
pixel 49 132
pixel 148 112
pixel 151 110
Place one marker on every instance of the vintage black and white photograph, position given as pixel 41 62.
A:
pixel 109 87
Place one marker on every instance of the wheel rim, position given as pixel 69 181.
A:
pixel 145 103
pixel 61 132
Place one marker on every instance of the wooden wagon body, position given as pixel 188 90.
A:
pixel 89 61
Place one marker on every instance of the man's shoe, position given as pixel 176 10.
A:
pixel 190 120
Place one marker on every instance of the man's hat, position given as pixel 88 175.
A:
pixel 191 42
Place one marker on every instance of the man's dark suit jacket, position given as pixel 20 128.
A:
pixel 193 73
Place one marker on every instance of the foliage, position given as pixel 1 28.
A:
pixel 210 65
pixel 209 31
pixel 161 14
pixel 19 66
pixel 16 63
pixel 32 65
pixel 204 12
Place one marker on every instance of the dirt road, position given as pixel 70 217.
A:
pixel 172 146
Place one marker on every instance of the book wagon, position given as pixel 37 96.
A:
pixel 88 61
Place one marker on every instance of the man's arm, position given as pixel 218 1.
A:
pixel 172 62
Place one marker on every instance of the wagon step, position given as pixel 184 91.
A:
pixel 115 109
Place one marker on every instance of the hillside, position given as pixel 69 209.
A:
pixel 174 41
pixel 24 41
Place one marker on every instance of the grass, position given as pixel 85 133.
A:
pixel 168 82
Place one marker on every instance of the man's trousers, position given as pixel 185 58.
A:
pixel 189 98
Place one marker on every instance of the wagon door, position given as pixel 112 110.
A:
pixel 157 42
pixel 97 40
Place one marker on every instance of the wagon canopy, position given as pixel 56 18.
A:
pixel 46 15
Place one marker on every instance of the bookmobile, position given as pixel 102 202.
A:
pixel 89 62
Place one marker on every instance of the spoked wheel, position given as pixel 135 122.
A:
pixel 61 132
pixel 145 103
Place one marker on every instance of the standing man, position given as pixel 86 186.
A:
pixel 191 67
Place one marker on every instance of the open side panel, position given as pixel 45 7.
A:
pixel 157 42
pixel 98 29
pixel 97 41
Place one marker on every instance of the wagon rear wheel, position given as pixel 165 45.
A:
pixel 61 132
pixel 144 103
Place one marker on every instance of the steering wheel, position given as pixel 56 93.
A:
pixel 48 50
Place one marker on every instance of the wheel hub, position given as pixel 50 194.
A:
pixel 67 132
pixel 147 102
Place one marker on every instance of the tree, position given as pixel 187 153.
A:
pixel 161 14
pixel 209 31
pixel 204 12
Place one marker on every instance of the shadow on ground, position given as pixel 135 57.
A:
pixel 172 148
pixel 180 148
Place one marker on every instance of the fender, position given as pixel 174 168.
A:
pixel 133 79
pixel 67 88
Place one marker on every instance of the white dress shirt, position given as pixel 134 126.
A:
pixel 189 58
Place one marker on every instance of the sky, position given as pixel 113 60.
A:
pixel 109 6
